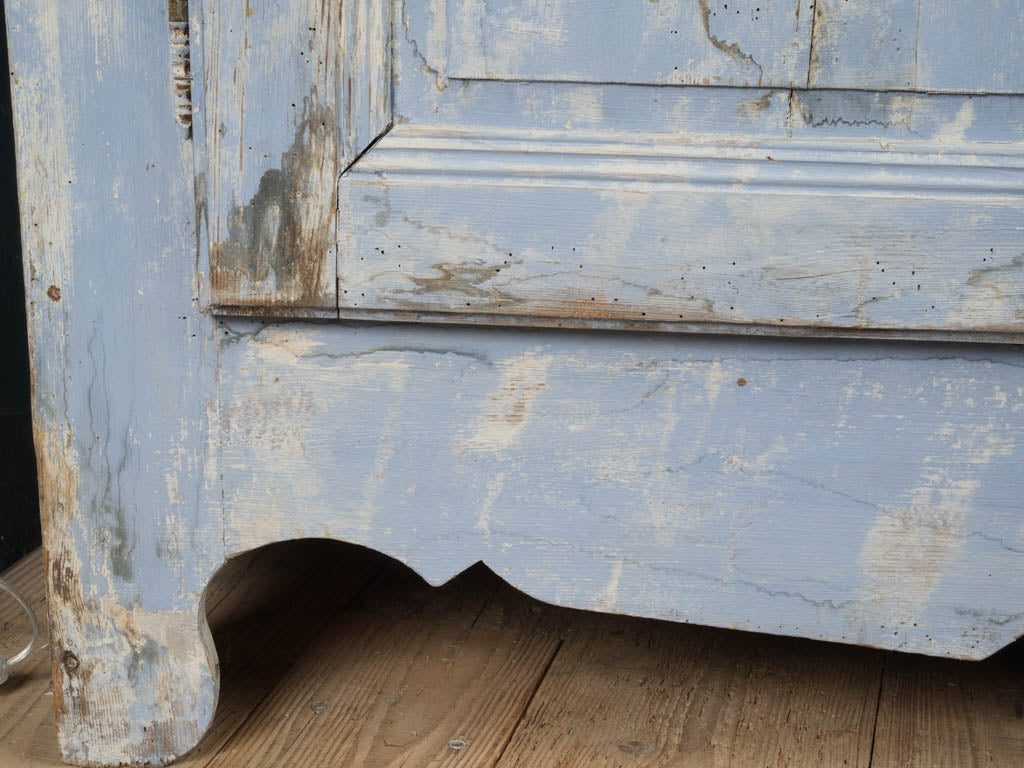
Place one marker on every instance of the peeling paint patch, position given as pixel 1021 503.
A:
pixel 909 549
pixel 756 107
pixel 955 131
pixel 733 49
pixel 494 488
pixel 181 61
pixel 608 598
pixel 277 243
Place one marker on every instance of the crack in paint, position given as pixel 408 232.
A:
pixel 733 49
pixel 441 81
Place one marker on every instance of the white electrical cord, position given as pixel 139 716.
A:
pixel 4 663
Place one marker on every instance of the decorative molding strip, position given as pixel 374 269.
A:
pixel 905 240
pixel 642 162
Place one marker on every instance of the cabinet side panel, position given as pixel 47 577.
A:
pixel 122 375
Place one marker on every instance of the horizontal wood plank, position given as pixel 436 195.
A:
pixel 854 492
pixel 623 692
pixel 607 226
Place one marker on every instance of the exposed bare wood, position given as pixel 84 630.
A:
pixel 278 131
pixel 620 692
pixel 939 714
pixel 623 692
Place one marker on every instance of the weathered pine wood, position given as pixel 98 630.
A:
pixel 937 714
pixel 378 690
pixel 27 730
pixel 292 93
pixel 803 190
pixel 623 692
pixel 699 112
pixel 122 373
pixel 926 45
pixel 578 225
pixel 854 492
pixel 863 493
pixel 932 712
pixel 741 43
pixel 263 628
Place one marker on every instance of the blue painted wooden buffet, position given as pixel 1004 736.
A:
pixel 686 309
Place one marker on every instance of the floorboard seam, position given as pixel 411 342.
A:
pixel 529 702
pixel 878 709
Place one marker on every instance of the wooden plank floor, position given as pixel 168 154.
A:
pixel 335 656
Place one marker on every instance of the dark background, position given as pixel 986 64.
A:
pixel 19 508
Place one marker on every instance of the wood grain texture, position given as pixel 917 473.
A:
pixel 941 715
pixel 687 42
pixel 275 600
pixel 645 693
pixel 19 704
pixel 926 45
pixel 577 225
pixel 661 190
pixel 727 695
pixel 292 93
pixel 28 738
pixel 864 493
pixel 767 113
pixel 852 492
pixel 378 690
pixel 121 374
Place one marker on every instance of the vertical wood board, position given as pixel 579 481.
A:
pixel 123 375
pixel 294 91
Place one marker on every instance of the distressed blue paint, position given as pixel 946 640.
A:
pixel 123 376
pixel 928 45
pixel 644 228
pixel 737 43
pixel 849 491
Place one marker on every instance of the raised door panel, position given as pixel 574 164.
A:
pixel 424 161
pixel 710 42
pixel 646 228
pixel 924 45
pixel 679 209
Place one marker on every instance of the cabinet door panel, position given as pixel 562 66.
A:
pixel 740 42
pixel 926 45
pixel 486 188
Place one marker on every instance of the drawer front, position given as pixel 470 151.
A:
pixel 676 166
